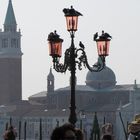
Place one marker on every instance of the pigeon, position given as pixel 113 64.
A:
pixel 50 36
pixel 95 36
pixel 66 10
pixel 107 35
pixel 81 45
pixel 72 11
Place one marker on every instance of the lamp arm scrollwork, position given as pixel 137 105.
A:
pixel 83 61
pixel 62 67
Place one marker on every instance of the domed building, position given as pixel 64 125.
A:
pixel 100 89
pixel 100 94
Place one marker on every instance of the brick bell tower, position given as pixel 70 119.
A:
pixel 10 60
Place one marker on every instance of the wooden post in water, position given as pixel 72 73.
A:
pixel 19 130
pixel 25 124
pixel 40 129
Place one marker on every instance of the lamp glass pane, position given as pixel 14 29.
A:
pixel 103 47
pixel 72 22
pixel 55 49
pixel 58 49
pixel 50 52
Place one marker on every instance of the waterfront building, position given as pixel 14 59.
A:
pixel 100 93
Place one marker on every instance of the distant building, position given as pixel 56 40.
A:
pixel 10 60
pixel 100 94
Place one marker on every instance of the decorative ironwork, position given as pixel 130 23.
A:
pixel 76 56
pixel 79 55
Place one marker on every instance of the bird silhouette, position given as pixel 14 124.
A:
pixel 50 36
pixel 95 36
pixel 107 35
pixel 66 10
pixel 72 11
pixel 81 45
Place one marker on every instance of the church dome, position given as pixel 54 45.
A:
pixel 100 80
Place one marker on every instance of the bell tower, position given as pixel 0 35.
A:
pixel 10 60
pixel 50 82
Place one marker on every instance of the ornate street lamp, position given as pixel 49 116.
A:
pixel 75 55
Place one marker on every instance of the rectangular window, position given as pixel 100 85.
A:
pixel 4 43
pixel 14 43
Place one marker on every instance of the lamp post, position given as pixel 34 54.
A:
pixel 75 55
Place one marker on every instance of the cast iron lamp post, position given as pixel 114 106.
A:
pixel 75 55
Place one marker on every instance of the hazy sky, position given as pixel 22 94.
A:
pixel 37 18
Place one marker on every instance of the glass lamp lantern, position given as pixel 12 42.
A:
pixel 55 45
pixel 71 18
pixel 103 43
pixel 103 47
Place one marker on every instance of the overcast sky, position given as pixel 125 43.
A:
pixel 37 18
